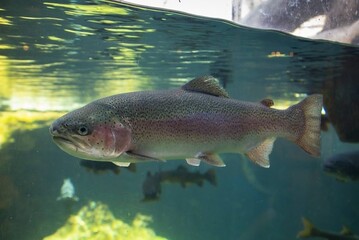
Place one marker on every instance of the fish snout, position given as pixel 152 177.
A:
pixel 53 130
pixel 56 129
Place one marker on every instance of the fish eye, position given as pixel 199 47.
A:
pixel 83 130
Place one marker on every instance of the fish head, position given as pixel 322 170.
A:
pixel 337 169
pixel 92 132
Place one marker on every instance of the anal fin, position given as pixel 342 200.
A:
pixel 259 154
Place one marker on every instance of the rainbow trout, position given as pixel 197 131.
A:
pixel 195 122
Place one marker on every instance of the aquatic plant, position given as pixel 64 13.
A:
pixel 95 221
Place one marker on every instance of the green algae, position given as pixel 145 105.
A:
pixel 95 221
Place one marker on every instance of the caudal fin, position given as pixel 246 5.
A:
pixel 309 140
pixel 307 230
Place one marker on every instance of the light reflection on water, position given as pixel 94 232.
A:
pixel 55 57
pixel 79 52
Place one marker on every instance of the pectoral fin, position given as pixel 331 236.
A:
pixel 136 157
pixel 126 158
pixel 260 153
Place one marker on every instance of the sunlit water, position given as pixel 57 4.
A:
pixel 56 56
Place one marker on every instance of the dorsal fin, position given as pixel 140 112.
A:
pixel 206 84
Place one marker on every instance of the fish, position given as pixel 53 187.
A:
pixel 67 191
pixel 151 187
pixel 196 122
pixel 311 231
pixel 101 167
pixel 185 177
pixel 344 166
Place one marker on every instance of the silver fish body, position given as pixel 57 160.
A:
pixel 195 122
pixel 67 191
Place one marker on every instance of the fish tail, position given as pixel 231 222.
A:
pixel 307 230
pixel 309 138
pixel 210 175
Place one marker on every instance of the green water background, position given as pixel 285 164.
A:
pixel 58 57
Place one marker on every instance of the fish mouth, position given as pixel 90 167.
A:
pixel 73 146
pixel 64 142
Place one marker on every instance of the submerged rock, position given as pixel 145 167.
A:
pixel 95 221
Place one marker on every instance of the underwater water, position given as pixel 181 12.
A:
pixel 58 55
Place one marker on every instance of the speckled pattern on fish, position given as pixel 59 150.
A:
pixel 195 122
